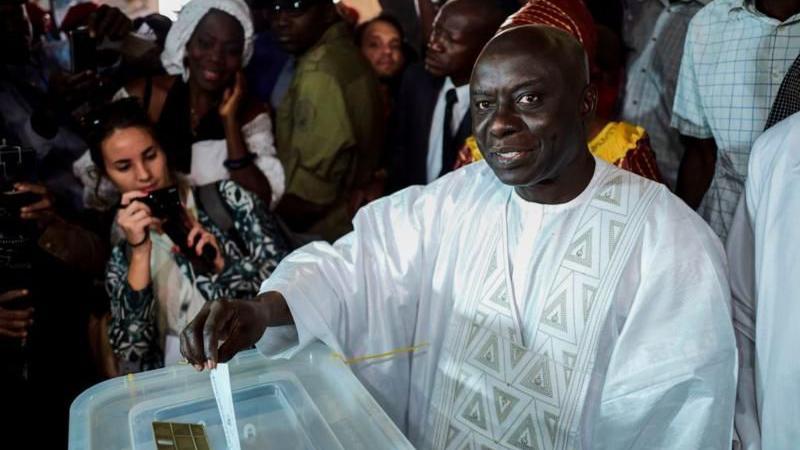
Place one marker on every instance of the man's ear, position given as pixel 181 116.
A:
pixel 589 102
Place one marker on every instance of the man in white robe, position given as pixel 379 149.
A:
pixel 538 299
pixel 765 282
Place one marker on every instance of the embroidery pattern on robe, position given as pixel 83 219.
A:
pixel 493 391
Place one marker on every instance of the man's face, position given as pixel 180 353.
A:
pixel 457 38
pixel 298 30
pixel 15 33
pixel 527 116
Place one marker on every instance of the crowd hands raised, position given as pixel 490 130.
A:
pixel 170 167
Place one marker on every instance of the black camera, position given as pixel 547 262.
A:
pixel 165 204
pixel 17 245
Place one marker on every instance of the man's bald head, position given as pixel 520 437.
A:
pixel 460 30
pixel 557 46
pixel 531 103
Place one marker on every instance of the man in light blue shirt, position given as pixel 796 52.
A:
pixel 735 58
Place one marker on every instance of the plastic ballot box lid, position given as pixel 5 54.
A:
pixel 311 401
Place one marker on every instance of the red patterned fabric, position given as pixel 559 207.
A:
pixel 571 16
pixel 641 160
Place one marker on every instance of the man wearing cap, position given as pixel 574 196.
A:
pixel 328 125
pixel 541 298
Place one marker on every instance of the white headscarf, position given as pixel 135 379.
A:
pixel 175 47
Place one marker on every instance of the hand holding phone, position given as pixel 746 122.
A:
pixel 83 50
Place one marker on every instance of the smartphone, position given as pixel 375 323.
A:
pixel 83 50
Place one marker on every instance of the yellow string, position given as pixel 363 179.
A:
pixel 359 359
pixel 131 385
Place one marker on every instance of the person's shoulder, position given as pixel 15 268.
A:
pixel 778 137
pixel 667 216
pixel 338 57
pixel 776 146
pixel 629 185
pixel 469 182
pixel 464 184
pixel 332 52
pixel 714 12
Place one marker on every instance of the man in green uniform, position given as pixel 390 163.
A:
pixel 329 125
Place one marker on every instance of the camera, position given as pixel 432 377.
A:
pixel 165 204
pixel 17 245
pixel 16 164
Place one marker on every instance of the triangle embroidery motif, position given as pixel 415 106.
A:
pixel 580 251
pixel 538 379
pixel 489 354
pixel 475 412
pixel 555 314
pixel 524 437
pixel 503 404
pixel 551 423
pixel 612 192
pixel 517 353
pixel 500 298
pixel 614 232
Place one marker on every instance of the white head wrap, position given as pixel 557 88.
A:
pixel 190 15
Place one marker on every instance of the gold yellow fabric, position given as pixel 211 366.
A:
pixel 615 140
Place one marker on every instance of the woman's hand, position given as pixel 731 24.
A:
pixel 135 219
pixel 232 100
pixel 199 238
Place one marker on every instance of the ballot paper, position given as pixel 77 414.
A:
pixel 221 384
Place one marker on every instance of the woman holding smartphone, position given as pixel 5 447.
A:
pixel 210 130
pixel 155 289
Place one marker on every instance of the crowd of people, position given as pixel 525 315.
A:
pixel 573 214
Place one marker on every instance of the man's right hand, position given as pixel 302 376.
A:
pixel 135 218
pixel 14 323
pixel 237 324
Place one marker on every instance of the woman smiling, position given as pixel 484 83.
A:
pixel 210 130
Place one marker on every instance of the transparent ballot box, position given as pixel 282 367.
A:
pixel 311 401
